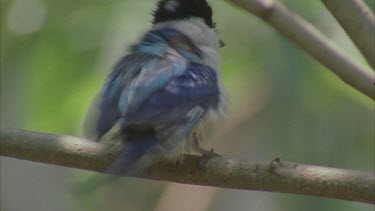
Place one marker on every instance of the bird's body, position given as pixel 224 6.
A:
pixel 164 95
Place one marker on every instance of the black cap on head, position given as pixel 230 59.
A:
pixel 168 10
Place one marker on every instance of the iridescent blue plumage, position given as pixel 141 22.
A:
pixel 165 95
pixel 157 94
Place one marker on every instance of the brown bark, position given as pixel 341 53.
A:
pixel 274 176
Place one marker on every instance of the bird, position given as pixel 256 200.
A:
pixel 166 94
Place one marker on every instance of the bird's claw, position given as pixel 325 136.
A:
pixel 208 154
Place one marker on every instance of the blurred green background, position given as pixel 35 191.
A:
pixel 55 56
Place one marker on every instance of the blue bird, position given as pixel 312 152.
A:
pixel 161 99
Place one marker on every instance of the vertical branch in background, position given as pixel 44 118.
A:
pixel 306 36
pixel 358 21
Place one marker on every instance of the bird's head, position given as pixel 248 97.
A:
pixel 170 10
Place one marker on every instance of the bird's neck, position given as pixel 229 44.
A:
pixel 195 29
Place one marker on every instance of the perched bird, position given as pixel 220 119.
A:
pixel 164 96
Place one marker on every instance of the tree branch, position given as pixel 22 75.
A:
pixel 358 21
pixel 306 36
pixel 275 176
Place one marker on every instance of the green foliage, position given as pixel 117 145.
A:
pixel 55 56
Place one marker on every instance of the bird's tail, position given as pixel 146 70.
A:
pixel 139 152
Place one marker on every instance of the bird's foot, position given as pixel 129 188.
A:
pixel 208 154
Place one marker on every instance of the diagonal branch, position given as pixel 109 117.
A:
pixel 275 176
pixel 358 21
pixel 306 36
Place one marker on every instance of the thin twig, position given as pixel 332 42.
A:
pixel 358 21
pixel 306 36
pixel 275 176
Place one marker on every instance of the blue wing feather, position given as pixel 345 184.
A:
pixel 157 86
pixel 197 86
pixel 131 83
pixel 125 70
pixel 153 76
